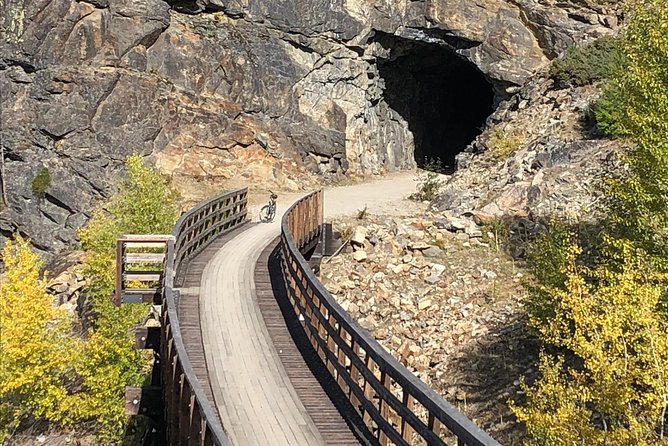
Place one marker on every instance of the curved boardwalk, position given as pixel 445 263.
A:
pixel 256 396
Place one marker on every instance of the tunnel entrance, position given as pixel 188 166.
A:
pixel 443 98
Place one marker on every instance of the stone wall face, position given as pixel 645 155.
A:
pixel 218 89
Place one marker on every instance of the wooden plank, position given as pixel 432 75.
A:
pixel 118 292
pixel 147 338
pixel 144 257
pixel 147 297
pixel 144 245
pixel 434 424
pixel 142 276
pixel 146 237
pixel 148 291
pixel 384 408
pixel 145 401
pixel 406 429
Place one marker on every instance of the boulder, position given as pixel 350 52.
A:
pixel 360 255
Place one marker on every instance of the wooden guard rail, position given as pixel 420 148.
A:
pixel 201 225
pixel 140 259
pixel 396 406
pixel 191 418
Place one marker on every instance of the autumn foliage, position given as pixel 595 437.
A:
pixel 37 350
pixel 48 372
pixel 600 305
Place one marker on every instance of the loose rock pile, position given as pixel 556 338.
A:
pixel 442 296
pixel 68 284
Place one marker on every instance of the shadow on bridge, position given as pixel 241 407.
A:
pixel 320 389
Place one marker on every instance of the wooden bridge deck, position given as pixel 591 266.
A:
pixel 265 390
pixel 188 308
pixel 299 359
pixel 256 392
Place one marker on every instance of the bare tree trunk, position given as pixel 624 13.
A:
pixel 2 175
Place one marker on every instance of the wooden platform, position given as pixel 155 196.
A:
pixel 298 357
pixel 189 311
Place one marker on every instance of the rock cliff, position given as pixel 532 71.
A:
pixel 234 90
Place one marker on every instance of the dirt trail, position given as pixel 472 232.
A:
pixel 254 397
pixel 386 195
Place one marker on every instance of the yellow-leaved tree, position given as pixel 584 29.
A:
pixel 605 381
pixel 49 373
pixel 37 349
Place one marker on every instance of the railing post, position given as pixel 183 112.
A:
pixel 118 292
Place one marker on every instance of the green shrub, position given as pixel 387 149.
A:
pixel 639 200
pixel 429 181
pixel 546 258
pixel 586 64
pixel 609 110
pixel 503 144
pixel 41 182
pixel 144 204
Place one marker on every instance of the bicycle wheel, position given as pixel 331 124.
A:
pixel 271 213
pixel 265 213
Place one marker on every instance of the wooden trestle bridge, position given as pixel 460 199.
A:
pixel 255 351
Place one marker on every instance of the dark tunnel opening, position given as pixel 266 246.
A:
pixel 444 98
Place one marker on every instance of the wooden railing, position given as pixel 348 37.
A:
pixel 396 406
pixel 201 225
pixel 140 261
pixel 191 417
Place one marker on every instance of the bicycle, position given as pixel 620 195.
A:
pixel 268 211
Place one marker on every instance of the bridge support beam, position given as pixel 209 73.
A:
pixel 147 338
pixel 145 401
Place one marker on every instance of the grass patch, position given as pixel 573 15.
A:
pixel 503 144
pixel 41 182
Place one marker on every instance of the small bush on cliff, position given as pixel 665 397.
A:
pixel 503 144
pixel 41 182
pixel 144 204
pixel 429 182
pixel 586 64
pixel 37 350
pixel 608 112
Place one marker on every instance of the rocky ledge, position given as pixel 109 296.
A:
pixel 540 157
pixel 247 91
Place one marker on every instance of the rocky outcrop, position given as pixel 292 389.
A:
pixel 540 158
pixel 234 91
